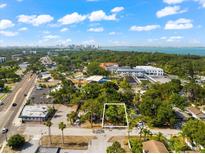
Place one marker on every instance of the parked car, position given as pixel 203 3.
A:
pixel 39 88
pixel 4 130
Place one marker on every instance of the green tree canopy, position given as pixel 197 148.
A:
pixel 94 69
pixel 115 148
pixel 16 141
pixel 195 130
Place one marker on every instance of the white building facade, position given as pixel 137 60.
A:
pixel 151 71
pixel 34 113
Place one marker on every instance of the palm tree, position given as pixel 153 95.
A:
pixel 141 131
pixel 49 124
pixel 71 117
pixel 62 126
pixel 146 132
pixel 159 136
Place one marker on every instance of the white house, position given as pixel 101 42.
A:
pixel 129 71
pixel 151 71
pixel 141 71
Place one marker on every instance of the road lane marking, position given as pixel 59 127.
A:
pixel 14 99
pixel 17 120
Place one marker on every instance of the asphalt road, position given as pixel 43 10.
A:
pixel 9 112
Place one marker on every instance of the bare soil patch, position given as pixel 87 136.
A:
pixel 70 142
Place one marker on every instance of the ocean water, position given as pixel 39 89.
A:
pixel 171 50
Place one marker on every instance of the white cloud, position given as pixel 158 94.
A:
pixel 174 38
pixel 64 30
pixel 64 42
pixel 23 29
pixel 167 39
pixel 112 33
pixel 117 9
pixel 8 33
pixel 173 1
pixel 118 42
pixel 4 24
pixel 50 37
pixel 34 19
pixel 201 2
pixel 89 42
pixel 170 10
pixel 163 38
pixel 181 23
pixel 94 24
pixel 3 5
pixel 101 15
pixel 98 29
pixel 46 32
pixel 72 18
pixel 195 41
pixel 144 28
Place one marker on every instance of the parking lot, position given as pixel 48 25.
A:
pixel 40 96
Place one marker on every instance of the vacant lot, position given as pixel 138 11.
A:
pixel 70 142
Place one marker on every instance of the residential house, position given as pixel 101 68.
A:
pixel 196 113
pixel 154 147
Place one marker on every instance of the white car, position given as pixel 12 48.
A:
pixel 4 130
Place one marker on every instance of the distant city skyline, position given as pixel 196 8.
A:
pixel 102 22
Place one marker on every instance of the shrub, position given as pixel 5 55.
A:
pixel 16 141
pixel 115 148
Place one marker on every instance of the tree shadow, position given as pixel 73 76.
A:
pixel 26 145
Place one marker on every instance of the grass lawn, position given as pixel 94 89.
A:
pixel 70 142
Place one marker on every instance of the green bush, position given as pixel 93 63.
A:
pixel 136 145
pixel 16 141
pixel 115 148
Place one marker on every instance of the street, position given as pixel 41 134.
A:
pixel 97 145
pixel 9 112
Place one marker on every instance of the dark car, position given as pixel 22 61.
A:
pixel 14 104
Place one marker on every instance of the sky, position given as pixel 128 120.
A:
pixel 102 22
